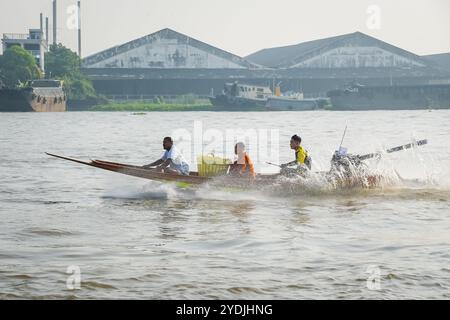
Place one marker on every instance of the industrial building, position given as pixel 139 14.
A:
pixel 34 42
pixel 37 40
pixel 164 63
pixel 170 63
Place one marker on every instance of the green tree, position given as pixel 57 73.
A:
pixel 18 66
pixel 63 63
pixel 79 87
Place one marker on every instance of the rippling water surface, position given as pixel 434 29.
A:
pixel 131 238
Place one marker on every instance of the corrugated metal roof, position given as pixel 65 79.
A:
pixel 167 34
pixel 442 59
pixel 285 57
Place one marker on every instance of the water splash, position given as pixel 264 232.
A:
pixel 409 171
pixel 149 191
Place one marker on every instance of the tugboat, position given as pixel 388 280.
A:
pixel 294 101
pixel 397 97
pixel 37 96
pixel 242 95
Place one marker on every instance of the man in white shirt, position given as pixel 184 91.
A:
pixel 172 160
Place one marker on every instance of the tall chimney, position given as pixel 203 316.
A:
pixel 41 19
pixel 46 30
pixel 54 22
pixel 79 29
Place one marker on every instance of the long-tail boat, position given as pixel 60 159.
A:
pixel 194 179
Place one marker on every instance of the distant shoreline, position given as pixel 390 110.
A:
pixel 144 107
pixel 167 107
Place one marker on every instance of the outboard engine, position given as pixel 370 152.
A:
pixel 346 163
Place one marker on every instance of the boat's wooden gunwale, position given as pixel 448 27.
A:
pixel 191 173
pixel 148 174
pixel 136 171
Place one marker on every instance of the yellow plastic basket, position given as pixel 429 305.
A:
pixel 210 166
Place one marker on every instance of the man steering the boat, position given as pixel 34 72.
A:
pixel 172 160
pixel 302 159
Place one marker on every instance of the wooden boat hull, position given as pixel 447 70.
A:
pixel 137 171
pixel 193 179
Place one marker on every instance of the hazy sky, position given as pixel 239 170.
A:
pixel 241 26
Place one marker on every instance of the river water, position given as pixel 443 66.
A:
pixel 74 232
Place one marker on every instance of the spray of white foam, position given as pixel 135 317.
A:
pixel 144 191
pixel 407 170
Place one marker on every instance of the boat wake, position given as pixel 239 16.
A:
pixel 425 180
pixel 416 181
pixel 148 191
pixel 285 189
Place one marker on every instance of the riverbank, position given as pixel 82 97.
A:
pixel 150 107
pixel 146 106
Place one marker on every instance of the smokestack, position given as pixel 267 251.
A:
pixel 54 22
pixel 46 30
pixel 41 19
pixel 79 29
